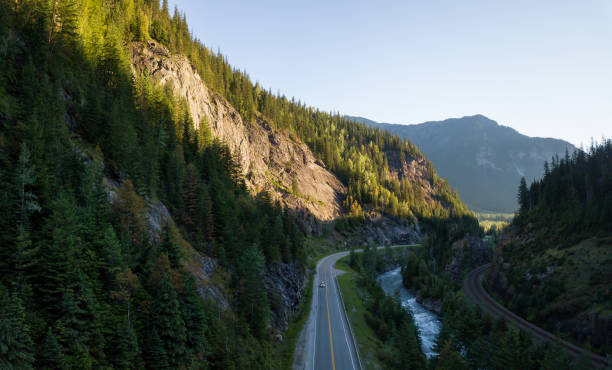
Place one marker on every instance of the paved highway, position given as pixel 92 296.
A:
pixel 472 286
pixel 329 342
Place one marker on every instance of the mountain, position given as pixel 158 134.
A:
pixel 270 160
pixel 483 160
pixel 157 208
pixel 553 264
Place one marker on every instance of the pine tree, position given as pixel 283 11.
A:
pixel 58 255
pixel 555 357
pixel 192 310
pixel 130 208
pixel 169 323
pixel 127 282
pixel 168 246
pixel 410 355
pixel 252 297
pixel 205 214
pixel 154 351
pixel 124 348
pixel 523 196
pixel 50 353
pixel 190 188
pixel 16 347
pixel 450 359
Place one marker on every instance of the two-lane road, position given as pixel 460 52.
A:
pixel 329 343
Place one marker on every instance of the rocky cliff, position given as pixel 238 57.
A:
pixel 271 160
pixel 467 254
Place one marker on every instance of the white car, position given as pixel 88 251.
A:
pixel 322 285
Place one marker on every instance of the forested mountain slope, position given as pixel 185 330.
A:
pixel 134 235
pixel 380 171
pixel 269 160
pixel 554 263
pixel 482 159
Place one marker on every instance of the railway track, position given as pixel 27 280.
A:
pixel 472 286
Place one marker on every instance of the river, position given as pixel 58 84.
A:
pixel 426 321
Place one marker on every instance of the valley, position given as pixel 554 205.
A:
pixel 162 209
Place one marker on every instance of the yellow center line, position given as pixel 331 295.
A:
pixel 331 343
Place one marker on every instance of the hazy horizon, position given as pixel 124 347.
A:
pixel 543 69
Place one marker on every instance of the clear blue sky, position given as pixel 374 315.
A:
pixel 541 67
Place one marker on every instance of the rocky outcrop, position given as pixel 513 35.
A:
pixel 156 214
pixel 208 279
pixel 467 254
pixel 284 284
pixel 271 160
pixel 432 304
pixel 382 229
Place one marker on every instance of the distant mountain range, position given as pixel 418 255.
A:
pixel 483 160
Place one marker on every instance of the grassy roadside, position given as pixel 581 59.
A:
pixel 367 342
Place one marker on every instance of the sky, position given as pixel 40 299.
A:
pixel 542 67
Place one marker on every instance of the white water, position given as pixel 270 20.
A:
pixel 426 321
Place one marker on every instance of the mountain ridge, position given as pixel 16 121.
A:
pixel 476 147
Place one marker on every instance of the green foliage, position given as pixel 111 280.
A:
pixel 16 347
pixel 124 347
pixel 50 354
pixel 393 325
pixel 254 304
pixel 573 195
pixel 97 291
pixel 169 324
pixel 562 249
pixel 73 117
pixel 470 338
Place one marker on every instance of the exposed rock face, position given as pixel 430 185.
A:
pixel 432 304
pixel 381 229
pixel 284 284
pixel 468 253
pixel 203 268
pixel 271 160
pixel 156 214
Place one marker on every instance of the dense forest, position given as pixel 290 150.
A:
pixel 555 258
pixel 82 285
pixel 575 194
pixel 470 338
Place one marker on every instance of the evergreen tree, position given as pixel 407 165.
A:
pixel 58 255
pixel 192 310
pixel 450 359
pixel 154 351
pixel 169 324
pixel 253 303
pixel 410 355
pixel 169 246
pixel 16 347
pixel 556 358
pixel 523 195
pixel 50 354
pixel 124 348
